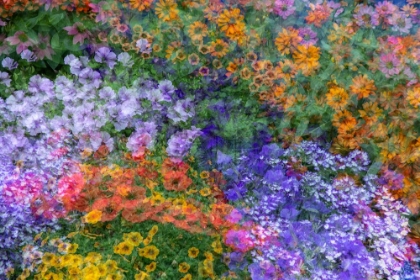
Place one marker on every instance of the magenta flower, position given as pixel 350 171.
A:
pixel 366 16
pixel 284 8
pixel 389 65
pixel 239 240
pixel 21 40
pixel 308 36
pixel 385 8
pixel 80 32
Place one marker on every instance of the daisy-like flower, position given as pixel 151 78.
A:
pixel 366 16
pixel 219 48
pixel 400 23
pixel 307 58
pixel 385 8
pixel 43 49
pixel 337 98
pixel 390 65
pixel 413 96
pixel 197 31
pixel 144 46
pixel 308 36
pixel 231 22
pixel 362 86
pixel 141 5
pixel 21 40
pixel 166 10
pixel 287 39
pixel 284 8
pixel 79 31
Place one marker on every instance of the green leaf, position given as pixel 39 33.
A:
pixel 303 125
pixel 55 41
pixel 55 19
pixel 374 168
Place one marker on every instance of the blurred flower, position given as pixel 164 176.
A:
pixel 284 8
pixel 21 40
pixel 9 63
pixel 28 55
pixel 390 65
pixel 105 55
pixel 80 31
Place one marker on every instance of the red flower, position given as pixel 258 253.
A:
pixel 110 207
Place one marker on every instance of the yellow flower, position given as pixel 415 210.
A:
pixel 204 174
pixel 205 192
pixel 217 246
pixel 187 277
pixel 114 276
pixel 111 266
pixel 135 238
pixel 91 272
pixel 72 248
pixel 93 257
pixel 147 240
pixel 51 276
pixel 149 252
pixel 166 10
pixel 93 217
pixel 184 267
pixel 124 248
pixel 306 58
pixel 193 252
pixel 142 276
pixel 102 269
pixel 153 231
pixel 209 256
pixel 197 31
pixel 48 258
pixel 337 98
pixel 76 260
pixel 219 48
pixel 151 267
pixel 413 96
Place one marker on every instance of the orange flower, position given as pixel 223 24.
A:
pixel 370 112
pixel 166 10
pixel 318 15
pixel 176 181
pixel 219 48
pixel 343 117
pixel 362 86
pixel 337 98
pixel 286 70
pixel 141 5
pixel 110 207
pixel 306 58
pixel 231 22
pixel 168 165
pixel 413 96
pixel 287 39
pixel 197 31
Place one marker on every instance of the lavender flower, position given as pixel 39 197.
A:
pixel 400 23
pixel 308 36
pixel 182 111
pixel 125 59
pixel 144 46
pixel 180 143
pixel 366 16
pixel 4 79
pixel 104 55
pixel 28 55
pixel 9 63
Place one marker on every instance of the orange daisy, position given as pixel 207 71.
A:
pixel 141 5
pixel 166 10
pixel 337 98
pixel 362 86
pixel 288 38
pixel 219 48
pixel 198 31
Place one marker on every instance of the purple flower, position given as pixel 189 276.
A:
pixel 366 16
pixel 308 36
pixel 390 65
pixel 180 143
pixel 5 79
pixel 400 23
pixel 104 55
pixel 284 8
pixel 9 63
pixel 125 59
pixel 144 46
pixel 182 111
pixel 90 77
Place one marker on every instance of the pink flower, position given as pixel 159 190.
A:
pixel 21 40
pixel 80 32
pixel 234 217
pixel 43 49
pixel 389 65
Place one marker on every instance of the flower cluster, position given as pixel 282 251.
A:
pixel 312 214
